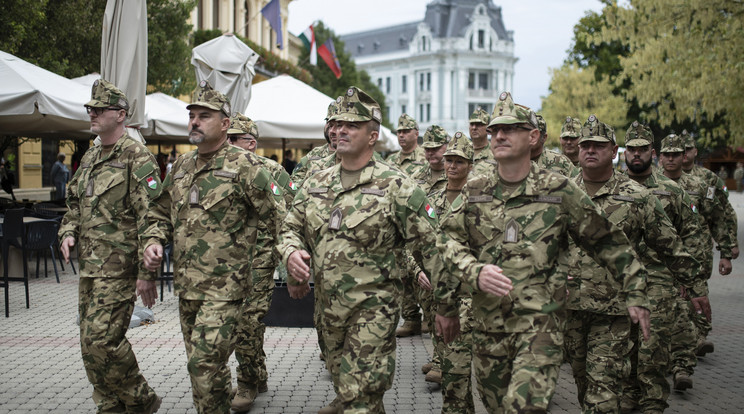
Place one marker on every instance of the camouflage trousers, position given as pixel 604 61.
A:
pixel 318 315
pixel 683 338
pixel 105 308
pixel 598 348
pixel 250 331
pixel 456 362
pixel 702 326
pixel 208 329
pixel 409 307
pixel 517 372
pixel 361 358
pixel 647 384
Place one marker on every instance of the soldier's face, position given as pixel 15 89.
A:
pixel 478 131
pixel 354 138
pixel 672 161
pixel 333 134
pixel 596 155
pixel 106 121
pixel 690 154
pixel 244 141
pixel 638 159
pixel 435 156
pixel 457 168
pixel 206 126
pixel 513 142
pixel 570 147
pixel 408 139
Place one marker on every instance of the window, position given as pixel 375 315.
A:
pixel 215 14
pixel 404 84
pixel 471 80
pixel 481 39
pixel 421 112
pixel 428 112
pixel 428 81
pixel 483 80
pixel 403 109
pixel 421 81
pixel 379 83
pixel 387 84
pixel 200 12
pixel 478 80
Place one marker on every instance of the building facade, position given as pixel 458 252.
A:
pixel 440 69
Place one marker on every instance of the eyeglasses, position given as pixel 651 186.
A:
pixel 234 138
pixel 507 129
pixel 99 111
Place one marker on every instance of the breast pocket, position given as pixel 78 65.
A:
pixel 485 225
pixel 367 224
pixel 110 192
pixel 224 205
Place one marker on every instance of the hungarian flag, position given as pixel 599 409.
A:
pixel 308 38
pixel 430 211
pixel 328 53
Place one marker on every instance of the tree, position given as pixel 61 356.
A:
pixel 684 62
pixel 576 91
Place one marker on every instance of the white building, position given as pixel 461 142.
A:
pixel 440 69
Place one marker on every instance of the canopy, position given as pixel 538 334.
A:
pixel 35 102
pixel 304 122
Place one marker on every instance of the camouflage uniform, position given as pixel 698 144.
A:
pixel 212 214
pixel 318 153
pixel 556 162
pixel 518 338
pixel 571 129
pixel 483 161
pixel 107 202
pixel 352 234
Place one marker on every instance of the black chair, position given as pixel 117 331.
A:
pixel 14 234
pixel 41 237
pixel 44 210
pixel 166 270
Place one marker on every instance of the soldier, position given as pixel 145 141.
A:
pixel 739 176
pixel 347 222
pixel 411 159
pixel 502 237
pixel 647 384
pixel 550 160
pixel 318 153
pixel 107 203
pixel 251 371
pixel 570 132
pixel 483 162
pixel 210 207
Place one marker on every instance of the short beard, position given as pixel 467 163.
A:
pixel 638 169
pixel 196 139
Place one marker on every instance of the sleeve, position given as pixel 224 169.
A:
pixel 725 226
pixel 689 228
pixel 266 196
pixel 291 237
pixel 70 222
pixel 144 186
pixel 160 225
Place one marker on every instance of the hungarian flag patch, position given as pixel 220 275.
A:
pixel 430 211
pixel 274 189
pixel 152 183
pixel 292 185
pixel 694 208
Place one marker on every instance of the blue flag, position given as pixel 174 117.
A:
pixel 272 13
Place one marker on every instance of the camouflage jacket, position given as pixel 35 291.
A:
pixel 724 226
pixel 641 216
pixel 425 179
pixel 450 288
pixel 212 216
pixel 353 235
pixel 264 257
pixel 483 162
pixel 679 208
pixel 107 201
pixel 556 162
pixel 302 168
pixel 523 234
pixel 411 164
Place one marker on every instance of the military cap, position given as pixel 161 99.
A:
pixel 435 136
pixel 241 124
pixel 571 128
pixel 688 140
pixel 407 122
pixel 638 135
pixel 596 131
pixel 332 110
pixel 480 115
pixel 460 146
pixel 672 143
pixel 105 94
pixel 204 95
pixel 357 106
pixel 507 112
pixel 541 125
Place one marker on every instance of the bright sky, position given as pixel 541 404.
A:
pixel 543 30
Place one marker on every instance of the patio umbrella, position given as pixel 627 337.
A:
pixel 124 55
pixel 228 65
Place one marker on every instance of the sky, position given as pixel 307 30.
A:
pixel 543 30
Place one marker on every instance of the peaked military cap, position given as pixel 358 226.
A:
pixel 460 146
pixel 596 131
pixel 688 140
pixel 507 112
pixel 241 124
pixel 332 110
pixel 435 136
pixel 571 128
pixel 638 135
pixel 357 106
pixel 541 125
pixel 672 143
pixel 480 115
pixel 204 95
pixel 407 122
pixel 105 94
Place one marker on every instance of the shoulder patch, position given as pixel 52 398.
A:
pixel 317 190
pixel 548 199
pixel 373 191
pixel 480 199
pixel 417 199
pixel 661 192
pixel 711 193
pixel 623 197
pixel 226 174
pixel 143 171
pixel 116 164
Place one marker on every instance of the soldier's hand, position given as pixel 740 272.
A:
pixel 148 291
pixel 447 328
pixel 298 291
pixel 735 253
pixel 67 245
pixel 724 266
pixel 641 316
pixel 491 280
pixel 298 265
pixel 153 257
pixel 702 306
pixel 423 281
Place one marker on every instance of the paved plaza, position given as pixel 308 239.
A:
pixel 41 369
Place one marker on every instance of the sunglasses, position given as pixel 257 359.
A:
pixel 99 111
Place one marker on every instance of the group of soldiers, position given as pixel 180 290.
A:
pixel 520 258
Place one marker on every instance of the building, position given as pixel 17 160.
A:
pixel 438 70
